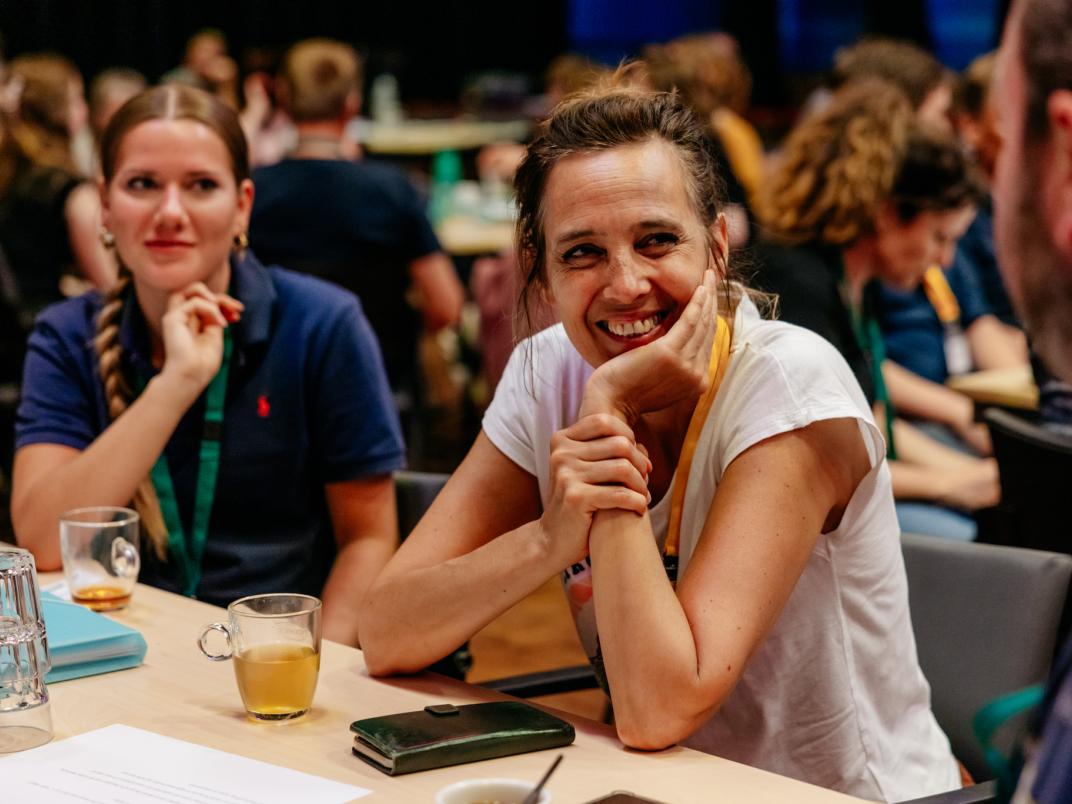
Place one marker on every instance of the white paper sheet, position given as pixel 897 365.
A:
pixel 59 589
pixel 123 764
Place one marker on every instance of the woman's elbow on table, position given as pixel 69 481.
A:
pixel 384 647
pixel 382 661
pixel 653 733
pixel 658 722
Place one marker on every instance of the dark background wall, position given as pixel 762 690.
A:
pixel 433 48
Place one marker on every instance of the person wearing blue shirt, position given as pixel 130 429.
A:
pixel 359 224
pixel 936 330
pixel 199 351
pixel 914 334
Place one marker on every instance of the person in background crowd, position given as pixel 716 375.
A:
pixel 358 224
pixel 119 388
pixel 709 81
pixel 268 128
pixel 944 325
pixel 568 74
pixel 109 90
pixel 921 77
pixel 708 72
pixel 947 325
pixel 207 65
pixel 862 192
pixel 974 116
pixel 724 642
pixel 1033 231
pixel 49 215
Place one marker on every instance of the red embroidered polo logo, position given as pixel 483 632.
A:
pixel 263 408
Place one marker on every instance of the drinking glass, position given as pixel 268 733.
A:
pixel 25 719
pixel 100 555
pixel 274 640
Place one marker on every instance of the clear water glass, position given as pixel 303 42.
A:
pixel 25 719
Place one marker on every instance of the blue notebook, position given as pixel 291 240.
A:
pixel 84 643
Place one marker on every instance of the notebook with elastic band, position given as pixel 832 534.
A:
pixel 437 736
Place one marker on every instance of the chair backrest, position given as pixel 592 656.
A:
pixel 1034 464
pixel 986 620
pixel 414 492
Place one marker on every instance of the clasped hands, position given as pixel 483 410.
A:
pixel 598 463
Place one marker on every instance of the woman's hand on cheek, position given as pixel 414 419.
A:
pixel 596 464
pixel 192 330
pixel 662 373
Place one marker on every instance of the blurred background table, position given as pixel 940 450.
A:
pixel 427 137
pixel 473 236
pixel 1009 388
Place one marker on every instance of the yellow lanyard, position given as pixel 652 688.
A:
pixel 940 295
pixel 716 369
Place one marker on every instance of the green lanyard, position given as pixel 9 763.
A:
pixel 187 553
pixel 869 339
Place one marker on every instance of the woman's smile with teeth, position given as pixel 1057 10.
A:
pixel 632 329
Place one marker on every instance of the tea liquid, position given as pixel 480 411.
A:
pixel 101 598
pixel 277 681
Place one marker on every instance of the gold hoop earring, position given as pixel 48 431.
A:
pixel 241 242
pixel 107 239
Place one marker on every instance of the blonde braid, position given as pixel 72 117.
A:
pixel 118 395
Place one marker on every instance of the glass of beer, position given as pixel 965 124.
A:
pixel 100 555
pixel 274 641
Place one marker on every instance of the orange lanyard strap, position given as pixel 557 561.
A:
pixel 716 370
pixel 940 295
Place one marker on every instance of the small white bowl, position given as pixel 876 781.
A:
pixel 481 791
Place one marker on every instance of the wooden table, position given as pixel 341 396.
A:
pixel 1010 388
pixel 179 693
pixel 427 137
pixel 472 236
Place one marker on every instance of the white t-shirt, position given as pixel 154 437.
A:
pixel 834 694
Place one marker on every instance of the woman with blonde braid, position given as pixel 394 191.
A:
pixel 126 396
pixel 862 193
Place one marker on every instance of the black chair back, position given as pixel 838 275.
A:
pixel 1035 465
pixel 414 493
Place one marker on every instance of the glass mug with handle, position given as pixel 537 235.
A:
pixel 274 640
pixel 99 547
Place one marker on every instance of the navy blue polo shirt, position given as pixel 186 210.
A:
pixel 307 404
pixel 913 334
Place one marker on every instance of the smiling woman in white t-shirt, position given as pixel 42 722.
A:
pixel 711 486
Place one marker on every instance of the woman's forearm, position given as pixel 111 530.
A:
pixel 356 567
pixel 916 447
pixel 107 472
pixel 917 397
pixel 411 618
pixel 648 648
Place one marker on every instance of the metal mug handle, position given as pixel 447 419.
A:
pixel 125 560
pixel 216 657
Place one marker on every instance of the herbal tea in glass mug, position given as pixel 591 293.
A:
pixel 274 641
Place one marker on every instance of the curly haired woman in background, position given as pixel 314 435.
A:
pixel 862 192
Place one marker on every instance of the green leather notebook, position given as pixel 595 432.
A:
pixel 438 736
